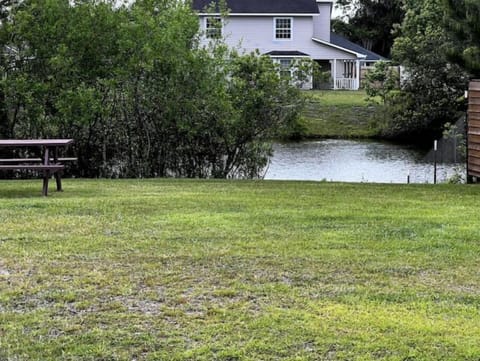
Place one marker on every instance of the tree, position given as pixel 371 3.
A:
pixel 5 6
pixel 370 23
pixel 431 91
pixel 462 21
pixel 381 81
pixel 139 96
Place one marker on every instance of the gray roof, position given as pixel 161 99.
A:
pixel 286 53
pixel 339 40
pixel 263 6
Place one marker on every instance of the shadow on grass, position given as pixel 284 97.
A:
pixel 31 188
pixel 21 193
pixel 72 188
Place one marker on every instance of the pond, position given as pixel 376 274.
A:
pixel 358 161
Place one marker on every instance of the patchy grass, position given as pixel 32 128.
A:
pixel 239 270
pixel 340 114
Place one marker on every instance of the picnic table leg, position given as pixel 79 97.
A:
pixel 58 174
pixel 46 175
pixel 58 178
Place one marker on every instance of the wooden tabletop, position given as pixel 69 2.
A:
pixel 34 142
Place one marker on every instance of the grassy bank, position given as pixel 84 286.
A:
pixel 239 270
pixel 339 114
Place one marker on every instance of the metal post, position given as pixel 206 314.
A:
pixel 434 162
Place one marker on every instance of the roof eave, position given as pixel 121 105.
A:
pixel 288 56
pixel 260 14
pixel 358 55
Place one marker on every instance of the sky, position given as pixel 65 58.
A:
pixel 336 12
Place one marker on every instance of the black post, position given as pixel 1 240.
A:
pixel 434 162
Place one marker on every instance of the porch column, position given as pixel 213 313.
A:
pixel 334 74
pixel 357 63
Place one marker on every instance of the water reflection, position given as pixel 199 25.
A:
pixel 354 161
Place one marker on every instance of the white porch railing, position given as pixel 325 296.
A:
pixel 346 83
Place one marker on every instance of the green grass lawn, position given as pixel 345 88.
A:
pixel 340 114
pixel 239 270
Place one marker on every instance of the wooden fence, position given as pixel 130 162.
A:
pixel 473 131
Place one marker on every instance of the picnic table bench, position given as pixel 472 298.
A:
pixel 48 164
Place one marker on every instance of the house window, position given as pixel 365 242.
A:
pixel 285 68
pixel 213 27
pixel 283 28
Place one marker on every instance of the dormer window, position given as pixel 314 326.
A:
pixel 213 27
pixel 283 28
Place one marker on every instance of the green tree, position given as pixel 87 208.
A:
pixel 138 94
pixel 5 8
pixel 432 86
pixel 382 81
pixel 64 55
pixel 370 23
pixel 462 21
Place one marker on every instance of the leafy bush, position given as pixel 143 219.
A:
pixel 431 93
pixel 381 81
pixel 137 92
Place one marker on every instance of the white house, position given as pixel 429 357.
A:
pixel 285 30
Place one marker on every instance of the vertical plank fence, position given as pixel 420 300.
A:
pixel 473 130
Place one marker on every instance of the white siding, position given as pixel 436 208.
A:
pixel 249 33
pixel 257 32
pixel 323 52
pixel 321 23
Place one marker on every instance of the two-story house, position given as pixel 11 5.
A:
pixel 285 30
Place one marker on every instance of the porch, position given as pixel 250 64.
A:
pixel 338 74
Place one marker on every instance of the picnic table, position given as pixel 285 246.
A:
pixel 49 163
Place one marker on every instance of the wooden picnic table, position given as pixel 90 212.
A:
pixel 49 163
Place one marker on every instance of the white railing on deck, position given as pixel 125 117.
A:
pixel 346 83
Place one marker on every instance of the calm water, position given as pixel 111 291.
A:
pixel 355 161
